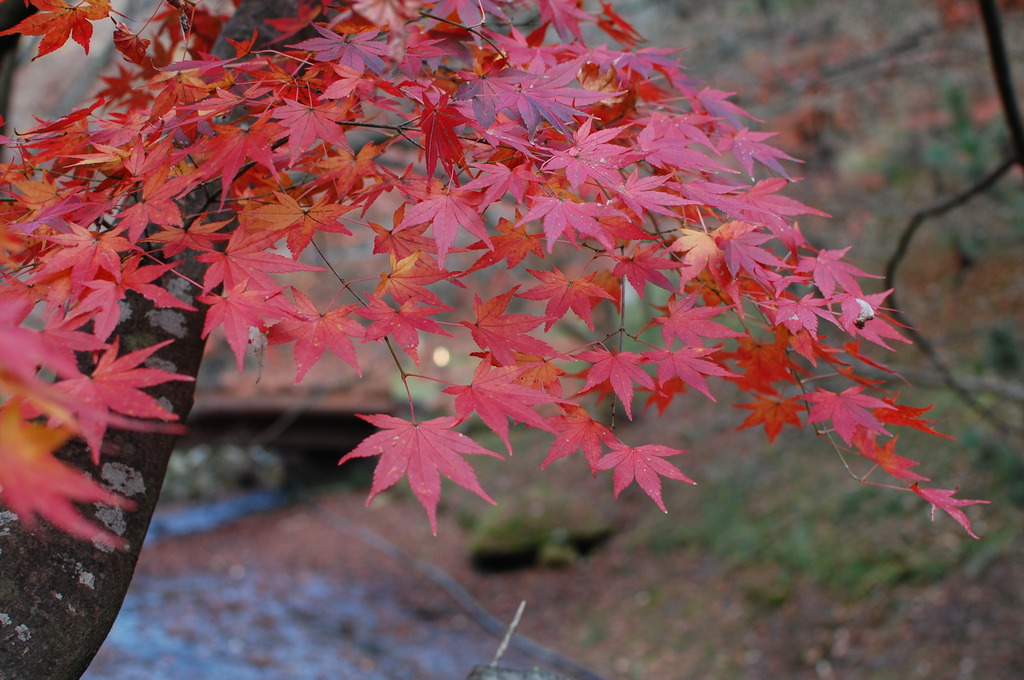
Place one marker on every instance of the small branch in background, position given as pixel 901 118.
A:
pixel 1004 78
pixel 957 385
pixel 1004 83
pixel 937 209
pixel 1004 390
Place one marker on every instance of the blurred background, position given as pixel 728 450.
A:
pixel 778 564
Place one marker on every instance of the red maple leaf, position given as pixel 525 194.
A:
pixel 644 266
pixel 561 215
pixel 447 211
pixel 620 370
pixel 690 364
pixel 640 195
pixel 114 387
pixel 309 124
pixel 130 45
pixel 82 255
pixel 533 97
pixel 761 364
pixel 684 320
pixel 563 293
pixel 773 413
pixel 57 21
pixel 617 27
pixel 885 456
pixel 201 236
pixel 499 179
pixel 770 207
pixel 513 244
pixel 33 482
pixel 358 51
pixel 403 324
pixel 313 332
pixel 901 414
pixel 748 147
pixel 422 452
pixel 440 121
pixel 577 430
pixel 943 500
pixel 246 262
pixel 802 314
pixel 591 156
pixel 104 294
pixel 494 394
pixel 233 145
pixel 157 205
pixel 505 334
pixel 242 311
pixel 298 223
pixel 565 16
pixel 644 464
pixel 847 410
pixel 829 270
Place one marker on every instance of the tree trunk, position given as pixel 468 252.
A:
pixel 59 596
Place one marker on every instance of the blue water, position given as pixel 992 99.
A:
pixel 258 625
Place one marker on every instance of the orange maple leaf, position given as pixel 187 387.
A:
pixel 57 21
pixel 34 484
pixel 297 222
pixel 773 413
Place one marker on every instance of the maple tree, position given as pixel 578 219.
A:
pixel 521 178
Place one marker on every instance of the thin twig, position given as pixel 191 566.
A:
pixel 503 647
pixel 920 340
pixel 1004 83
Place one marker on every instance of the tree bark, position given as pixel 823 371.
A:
pixel 12 12
pixel 59 596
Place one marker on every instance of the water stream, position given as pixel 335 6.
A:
pixel 259 625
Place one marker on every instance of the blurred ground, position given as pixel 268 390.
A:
pixel 777 565
pixel 290 594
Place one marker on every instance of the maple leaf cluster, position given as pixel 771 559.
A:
pixel 587 221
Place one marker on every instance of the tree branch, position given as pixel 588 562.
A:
pixel 1004 83
pixel 1003 76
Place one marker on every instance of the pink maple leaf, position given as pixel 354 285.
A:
pixel 943 500
pixel 447 212
pixel 621 370
pixel 591 156
pixel 684 320
pixel 644 464
pixel 690 364
pixel 563 293
pixel 577 429
pixel 313 332
pixel 505 334
pixel 422 452
pixel 847 410
pixel 495 395
pixel 830 270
